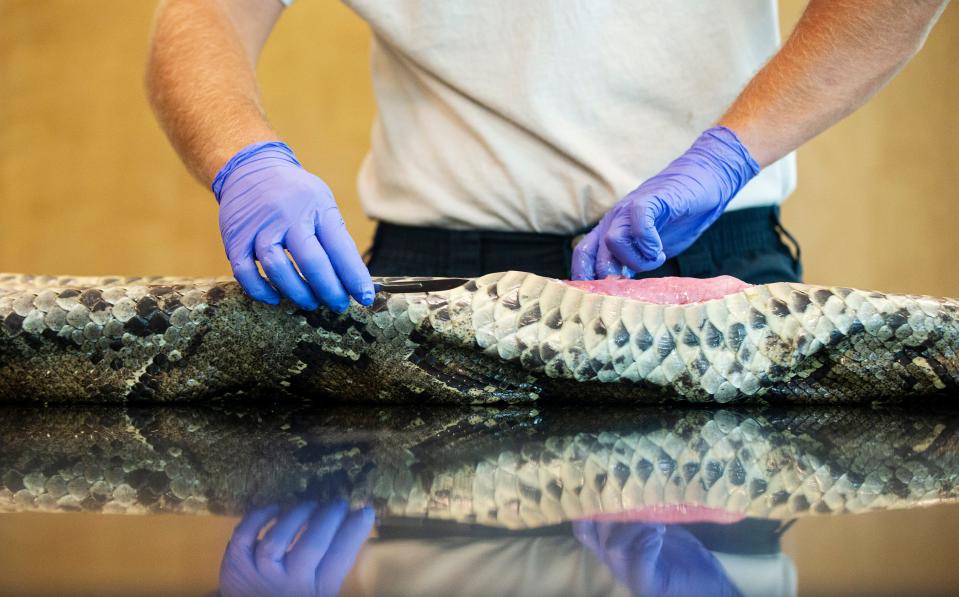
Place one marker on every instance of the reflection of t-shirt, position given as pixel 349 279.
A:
pixel 538 115
pixel 551 565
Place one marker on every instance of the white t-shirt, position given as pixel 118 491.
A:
pixel 538 115
pixel 530 566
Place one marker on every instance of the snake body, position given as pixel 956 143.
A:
pixel 512 468
pixel 509 337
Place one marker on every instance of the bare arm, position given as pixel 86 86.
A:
pixel 201 77
pixel 840 54
pixel 202 84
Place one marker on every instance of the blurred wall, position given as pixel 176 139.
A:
pixel 88 184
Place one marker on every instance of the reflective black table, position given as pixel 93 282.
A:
pixel 313 498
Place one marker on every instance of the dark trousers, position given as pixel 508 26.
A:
pixel 748 244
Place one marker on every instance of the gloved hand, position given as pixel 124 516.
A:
pixel 318 562
pixel 655 559
pixel 668 212
pixel 269 203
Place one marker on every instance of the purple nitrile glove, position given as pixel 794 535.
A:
pixel 668 212
pixel 655 559
pixel 269 205
pixel 285 562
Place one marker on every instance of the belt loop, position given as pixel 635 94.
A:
pixel 778 225
pixel 568 243
pixel 464 253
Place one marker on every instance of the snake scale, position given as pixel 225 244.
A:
pixel 509 337
pixel 508 468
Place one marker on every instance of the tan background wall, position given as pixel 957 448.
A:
pixel 88 185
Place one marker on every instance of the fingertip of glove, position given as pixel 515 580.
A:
pixel 366 298
pixel 368 514
pixel 581 269
pixel 268 299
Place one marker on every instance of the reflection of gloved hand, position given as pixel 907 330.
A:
pixel 654 559
pixel 268 204
pixel 315 565
pixel 665 214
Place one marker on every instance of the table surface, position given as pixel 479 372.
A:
pixel 144 500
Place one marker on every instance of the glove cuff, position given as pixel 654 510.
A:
pixel 731 139
pixel 733 160
pixel 264 150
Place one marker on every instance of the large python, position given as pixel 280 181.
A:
pixel 509 337
pixel 514 468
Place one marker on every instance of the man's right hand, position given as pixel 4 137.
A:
pixel 655 559
pixel 308 552
pixel 269 205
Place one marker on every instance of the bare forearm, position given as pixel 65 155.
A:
pixel 201 77
pixel 840 54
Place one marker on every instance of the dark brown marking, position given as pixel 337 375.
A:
pixel 146 307
pixel 159 322
pixel 547 352
pixel 530 316
pixel 821 296
pixel 13 324
pixel 643 339
pixel 778 308
pixel 701 364
pixel 665 345
pixel 757 488
pixel 799 300
pixel 90 297
pixel 215 295
pixel 599 327
pixel 138 326
pixel 714 338
pixel 511 300
pixel 643 470
pixel 621 335
pixel 735 335
pixel 554 320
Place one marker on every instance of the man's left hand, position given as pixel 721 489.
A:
pixel 655 559
pixel 668 212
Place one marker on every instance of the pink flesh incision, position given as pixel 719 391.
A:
pixel 669 514
pixel 664 291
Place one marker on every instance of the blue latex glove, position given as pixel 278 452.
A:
pixel 668 212
pixel 269 203
pixel 315 564
pixel 655 559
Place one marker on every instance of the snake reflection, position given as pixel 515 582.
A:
pixel 515 469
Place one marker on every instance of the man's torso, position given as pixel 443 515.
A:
pixel 540 115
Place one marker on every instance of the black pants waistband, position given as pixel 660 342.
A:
pixel 414 250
